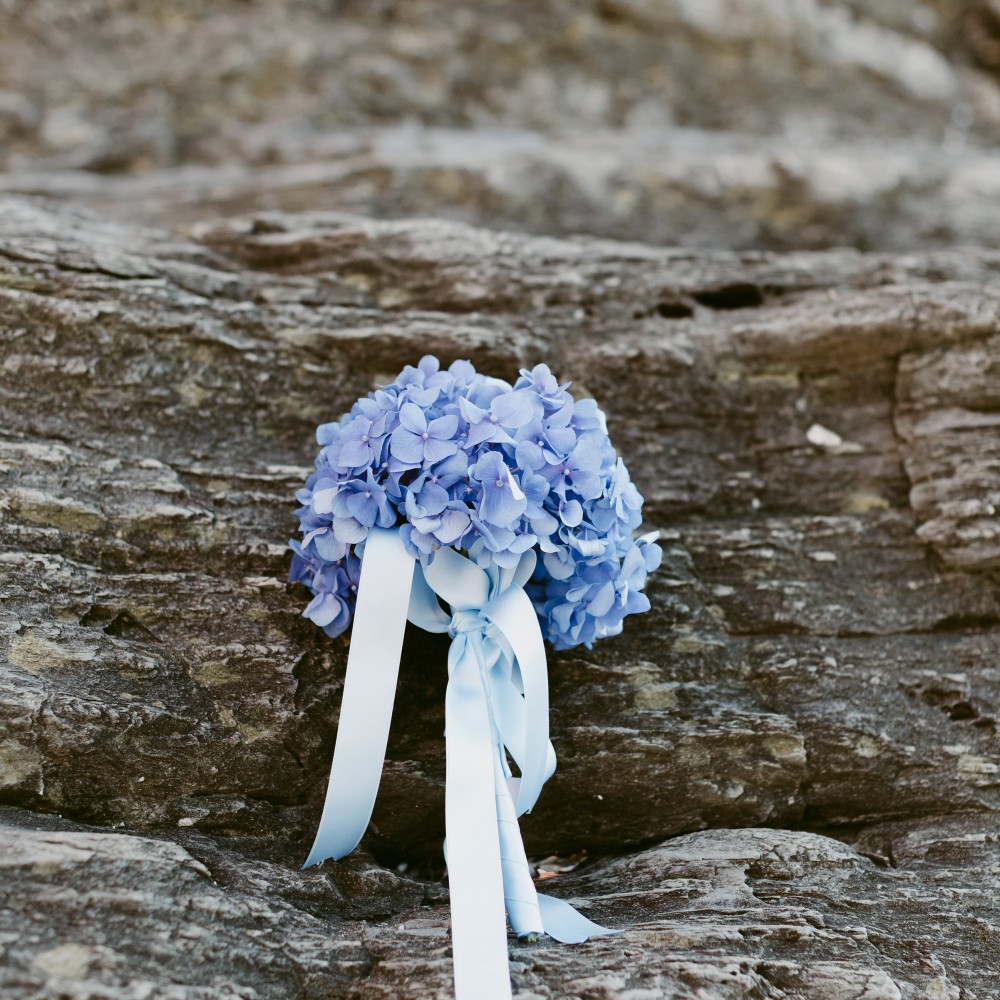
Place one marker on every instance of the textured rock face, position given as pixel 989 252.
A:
pixel 782 783
pixel 187 78
pixel 671 186
pixel 161 410
pixel 726 123
pixel 813 434
pixel 721 914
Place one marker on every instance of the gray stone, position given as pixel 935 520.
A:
pixel 721 914
pixel 780 783
pixel 819 656
pixel 732 123
pixel 671 186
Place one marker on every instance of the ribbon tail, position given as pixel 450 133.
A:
pixel 566 924
pixel 475 875
pixel 369 691
pixel 518 888
pixel 510 712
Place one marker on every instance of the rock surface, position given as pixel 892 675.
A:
pixel 671 186
pixel 724 123
pixel 783 782
pixel 721 914
pixel 108 85
pixel 815 436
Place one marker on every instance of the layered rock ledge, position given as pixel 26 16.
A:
pixel 785 776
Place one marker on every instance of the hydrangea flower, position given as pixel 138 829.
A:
pixel 456 458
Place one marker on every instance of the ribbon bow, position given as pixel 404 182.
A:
pixel 497 703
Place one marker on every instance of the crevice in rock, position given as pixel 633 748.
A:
pixel 673 310
pixel 738 295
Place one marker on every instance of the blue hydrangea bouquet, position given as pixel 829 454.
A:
pixel 499 514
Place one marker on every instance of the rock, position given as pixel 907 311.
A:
pixel 161 399
pixel 732 124
pixel 948 421
pixel 782 782
pixel 720 913
pixel 100 914
pixel 672 186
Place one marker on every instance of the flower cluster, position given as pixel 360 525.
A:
pixel 456 458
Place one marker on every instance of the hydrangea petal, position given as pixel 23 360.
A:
pixel 354 454
pixel 436 451
pixel 600 604
pixel 348 529
pixel 571 513
pixel 412 418
pixel 323 609
pixel 407 446
pixel 444 427
pixel 454 524
pixel 364 508
pixel 513 409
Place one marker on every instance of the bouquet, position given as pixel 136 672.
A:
pixel 500 514
pixel 458 459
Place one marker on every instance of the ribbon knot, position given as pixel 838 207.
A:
pixel 466 620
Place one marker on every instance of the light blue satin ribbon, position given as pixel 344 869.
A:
pixel 496 703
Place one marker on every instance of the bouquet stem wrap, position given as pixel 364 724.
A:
pixel 496 704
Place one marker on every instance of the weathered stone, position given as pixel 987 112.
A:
pixel 729 123
pixel 806 663
pixel 949 419
pixel 721 913
pixel 815 434
pixel 161 398
pixel 674 186
pixel 204 83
